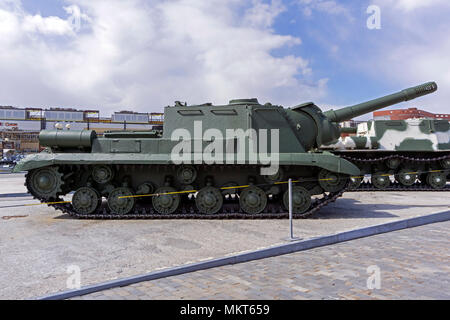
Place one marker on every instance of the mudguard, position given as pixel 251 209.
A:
pixel 323 160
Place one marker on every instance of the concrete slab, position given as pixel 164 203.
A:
pixel 39 244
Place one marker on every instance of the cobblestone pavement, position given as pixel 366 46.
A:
pixel 38 244
pixel 413 264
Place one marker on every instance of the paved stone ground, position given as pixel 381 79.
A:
pixel 38 244
pixel 413 263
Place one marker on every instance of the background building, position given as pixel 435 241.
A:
pixel 399 114
pixel 20 127
pixel 410 113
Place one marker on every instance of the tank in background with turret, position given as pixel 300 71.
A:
pixel 415 152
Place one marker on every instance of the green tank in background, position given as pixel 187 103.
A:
pixel 416 152
pixel 236 161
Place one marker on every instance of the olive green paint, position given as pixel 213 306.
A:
pixel 415 144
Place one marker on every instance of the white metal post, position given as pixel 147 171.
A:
pixel 290 210
pixel 291 224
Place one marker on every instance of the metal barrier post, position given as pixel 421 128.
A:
pixel 290 210
pixel 291 224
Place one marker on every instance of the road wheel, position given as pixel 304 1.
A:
pixel 436 180
pixel 380 180
pixel 406 177
pixel 301 200
pixel 86 200
pixel 209 200
pixel 253 200
pixel 332 181
pixel 165 202
pixel 119 205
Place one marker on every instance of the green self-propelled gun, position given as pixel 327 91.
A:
pixel 210 161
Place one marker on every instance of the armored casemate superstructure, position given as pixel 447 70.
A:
pixel 211 161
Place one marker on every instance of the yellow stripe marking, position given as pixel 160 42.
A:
pixel 39 204
pixel 236 187
pixel 157 194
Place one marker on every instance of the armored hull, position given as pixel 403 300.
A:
pixel 210 161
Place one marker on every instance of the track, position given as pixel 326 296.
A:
pixel 231 208
pixel 396 186
pixel 188 210
pixel 401 157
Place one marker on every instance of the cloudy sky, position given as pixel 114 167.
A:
pixel 144 54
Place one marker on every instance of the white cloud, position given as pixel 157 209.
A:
pixel 146 54
pixel 9 28
pixel 415 48
pixel 49 25
pixel 263 14
pixel 326 6
pixel 409 5
pixel 15 21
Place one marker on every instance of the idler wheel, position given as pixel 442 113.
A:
pixel 45 183
pixel 253 200
pixel 406 177
pixel 186 174
pixel 301 199
pixel 331 181
pixel 380 180
pixel 119 205
pixel 209 200
pixel 86 200
pixel 355 182
pixel 165 203
pixel 102 174
pixel 436 180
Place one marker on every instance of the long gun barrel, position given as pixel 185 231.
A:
pixel 357 110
